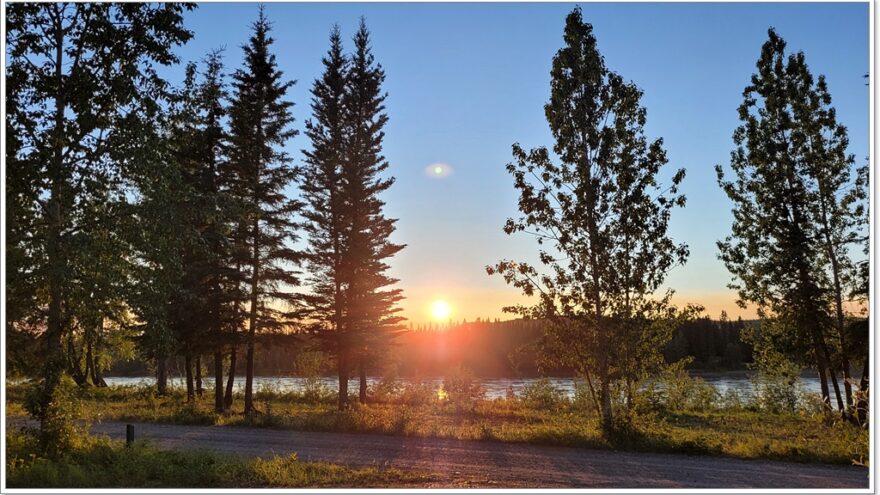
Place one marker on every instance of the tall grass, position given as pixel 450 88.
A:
pixel 100 463
pixel 677 414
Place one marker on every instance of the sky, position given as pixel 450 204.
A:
pixel 466 81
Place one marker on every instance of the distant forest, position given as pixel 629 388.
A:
pixel 502 349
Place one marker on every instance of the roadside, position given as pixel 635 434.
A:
pixel 495 464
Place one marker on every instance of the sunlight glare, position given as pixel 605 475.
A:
pixel 440 310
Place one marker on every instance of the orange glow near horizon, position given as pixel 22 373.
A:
pixel 426 304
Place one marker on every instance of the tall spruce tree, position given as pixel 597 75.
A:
pixel 260 120
pixel 788 225
pixel 325 224
pixel 198 140
pixel 371 318
pixel 85 76
pixel 605 215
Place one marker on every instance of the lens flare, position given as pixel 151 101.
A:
pixel 438 171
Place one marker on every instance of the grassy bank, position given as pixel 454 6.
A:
pixel 100 463
pixel 719 429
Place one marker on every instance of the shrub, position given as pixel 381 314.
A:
pixel 733 399
pixel 542 394
pixel 462 389
pixel 418 393
pixel 682 392
pixel 59 431
pixel 776 392
pixel 388 389
pixel 583 397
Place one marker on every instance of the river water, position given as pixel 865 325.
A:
pixel 494 387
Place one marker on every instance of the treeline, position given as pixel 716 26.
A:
pixel 491 349
pixel 159 221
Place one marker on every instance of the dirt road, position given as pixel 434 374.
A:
pixel 461 463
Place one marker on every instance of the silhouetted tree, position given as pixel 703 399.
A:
pixel 371 316
pixel 85 77
pixel 603 212
pixel 321 187
pixel 780 246
pixel 260 122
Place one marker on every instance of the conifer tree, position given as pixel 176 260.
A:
pixel 321 188
pixel 260 120
pixel 371 318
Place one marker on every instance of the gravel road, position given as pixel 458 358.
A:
pixel 466 463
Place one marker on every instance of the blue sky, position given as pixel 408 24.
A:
pixel 465 81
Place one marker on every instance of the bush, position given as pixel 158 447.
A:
pixel 682 392
pixel 388 389
pixel 583 397
pixel 462 389
pixel 777 392
pixel 542 394
pixel 59 431
pixel 418 393
pixel 733 399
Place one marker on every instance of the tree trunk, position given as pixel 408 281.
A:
pixel 161 375
pixel 343 381
pixel 227 399
pixel 199 388
pixel 252 330
pixel 190 390
pixel 862 408
pixel 823 379
pixel 73 364
pixel 53 366
pixel 838 301
pixel 362 395
pixel 605 396
pixel 218 382
pixel 249 380
pixel 831 373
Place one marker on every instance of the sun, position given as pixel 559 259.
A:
pixel 440 310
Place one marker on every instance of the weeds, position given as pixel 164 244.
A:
pixel 101 463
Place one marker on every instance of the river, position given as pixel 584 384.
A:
pixel 494 387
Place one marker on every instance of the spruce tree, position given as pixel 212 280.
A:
pixel 321 188
pixel 604 214
pixel 371 318
pixel 260 120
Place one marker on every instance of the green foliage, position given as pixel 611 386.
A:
pixel 681 392
pixel 462 389
pixel 542 394
pixel 100 463
pixel 605 215
pixel 798 206
pixel 59 430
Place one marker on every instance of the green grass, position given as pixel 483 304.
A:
pixel 736 432
pixel 100 463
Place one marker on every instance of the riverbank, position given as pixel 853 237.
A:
pixel 540 418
